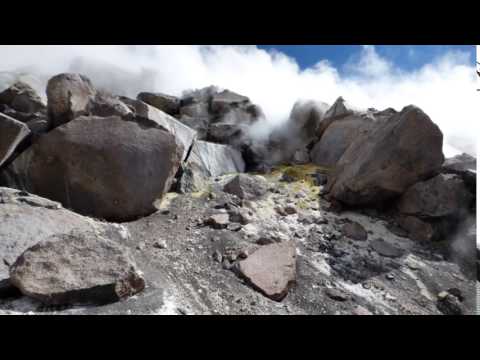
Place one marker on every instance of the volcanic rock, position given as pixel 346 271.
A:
pixel 12 132
pixel 354 231
pixel 103 167
pixel 441 196
pixel 166 103
pixel 387 160
pixel 22 98
pixel 271 269
pixel 73 269
pixel 247 187
pixel 385 249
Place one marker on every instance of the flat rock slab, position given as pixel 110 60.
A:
pixel 271 269
pixel 76 269
pixel 385 249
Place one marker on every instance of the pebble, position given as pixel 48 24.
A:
pixel 160 244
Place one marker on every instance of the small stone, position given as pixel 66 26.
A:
pixel 217 256
pixel 243 254
pixel 160 244
pixel 234 227
pixel 290 210
pixel 218 221
pixel 385 249
pixel 390 277
pixel 354 231
pixel 336 294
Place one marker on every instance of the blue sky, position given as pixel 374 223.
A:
pixel 405 57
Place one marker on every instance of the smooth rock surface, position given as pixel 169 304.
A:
pixel 12 132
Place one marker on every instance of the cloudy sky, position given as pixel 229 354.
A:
pixel 439 79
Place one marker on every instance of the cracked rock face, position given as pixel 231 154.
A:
pixel 72 269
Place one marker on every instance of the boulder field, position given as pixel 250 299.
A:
pixel 165 204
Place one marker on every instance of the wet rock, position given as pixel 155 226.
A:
pixel 386 249
pixel 248 187
pixel 73 269
pixel 166 103
pixel 102 167
pixel 393 156
pixel 354 231
pixel 271 269
pixel 12 133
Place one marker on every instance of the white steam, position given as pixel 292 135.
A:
pixel 445 88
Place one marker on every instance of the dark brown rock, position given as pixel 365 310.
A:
pixel 102 167
pixel 382 164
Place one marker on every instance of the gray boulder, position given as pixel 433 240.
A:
pixel 223 102
pixel 247 187
pixel 12 133
pixel 23 98
pixel 183 135
pixel 465 166
pixel 166 103
pixel 208 160
pixel 445 195
pixel 69 96
pixel 76 269
pixel 271 269
pixel 102 167
pixel 383 163
pixel 28 219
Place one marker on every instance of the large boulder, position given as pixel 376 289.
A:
pixel 166 103
pixel 12 133
pixel 76 269
pixel 384 162
pixel 247 187
pixel 208 160
pixel 22 98
pixel 337 138
pixel 69 96
pixel 102 167
pixel 223 102
pixel 465 166
pixel 339 109
pixel 183 134
pixel 28 219
pixel 271 269
pixel 444 195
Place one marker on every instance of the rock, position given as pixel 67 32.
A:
pixel 208 160
pixel 38 126
pixel 218 221
pixel 320 179
pixel 445 195
pixel 271 269
pixel 183 135
pixel 247 187
pixel 105 105
pixel 76 269
pixel 290 210
pixel 383 163
pixel 460 163
pixel 166 103
pixel 337 137
pixel 417 229
pixel 12 133
pixel 241 216
pixel 386 249
pixel 465 166
pixel 69 96
pixel 7 290
pixel 354 231
pixel 28 219
pixel 397 230
pixel 217 256
pixel 102 167
pixel 160 244
pixel 195 111
pixel 449 304
pixel 336 294
pixel 199 124
pixel 22 98
pixel 222 102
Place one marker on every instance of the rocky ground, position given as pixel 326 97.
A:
pixel 192 268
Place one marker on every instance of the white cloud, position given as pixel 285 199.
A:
pixel 444 88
